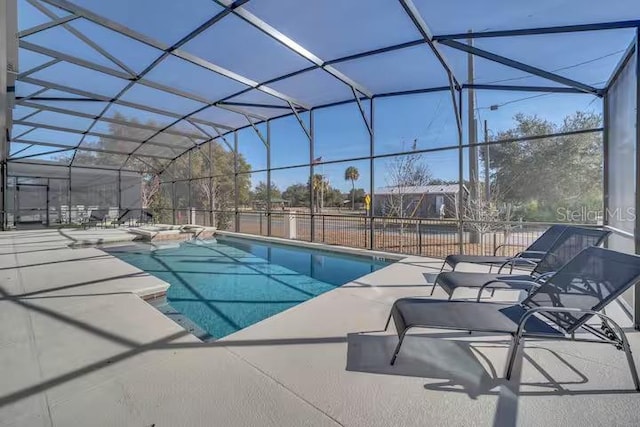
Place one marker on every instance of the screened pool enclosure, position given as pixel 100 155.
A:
pixel 408 126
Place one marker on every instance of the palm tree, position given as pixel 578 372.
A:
pixel 318 186
pixel 352 174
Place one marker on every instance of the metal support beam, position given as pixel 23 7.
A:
pixel 119 192
pixel 67 166
pixel 522 67
pixel 21 150
pixel 212 193
pixel 83 38
pixel 636 291
pixel 173 202
pixel 424 30
pixel 97 97
pixel 34 94
pixel 5 115
pixel 372 152
pixel 46 25
pixel 69 194
pixel 138 158
pixel 311 173
pixel 26 132
pixel 137 125
pixel 39 154
pixel 542 30
pixel 269 180
pixel 515 88
pixel 254 105
pixel 460 175
pixel 295 47
pixel 98 134
pixel 38 68
pixel 264 140
pixel 72 147
pixel 236 193
pixel 306 130
pixel 362 113
pixel 173 50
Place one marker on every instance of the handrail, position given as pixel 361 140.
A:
pixel 620 232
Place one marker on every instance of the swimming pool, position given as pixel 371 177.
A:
pixel 227 284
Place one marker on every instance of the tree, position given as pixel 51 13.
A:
pixel 352 174
pixel 404 172
pixel 260 193
pixel 320 187
pixel 216 193
pixel 357 194
pixel 540 176
pixel 297 195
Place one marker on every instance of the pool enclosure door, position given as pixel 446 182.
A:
pixel 32 205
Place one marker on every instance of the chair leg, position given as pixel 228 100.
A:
pixel 433 288
pixel 627 351
pixel 386 325
pixel 397 350
pixel 632 366
pixel 443 264
pixel 513 353
pixel 624 345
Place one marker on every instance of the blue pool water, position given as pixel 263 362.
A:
pixel 228 284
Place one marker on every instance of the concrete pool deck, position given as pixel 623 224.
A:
pixel 78 346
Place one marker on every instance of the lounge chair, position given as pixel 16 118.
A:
pixel 96 217
pixel 570 243
pixel 527 258
pixel 556 310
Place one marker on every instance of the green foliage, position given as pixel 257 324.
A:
pixel 259 194
pixel 540 176
pixel 352 174
pixel 206 193
pixel 357 195
pixel 297 195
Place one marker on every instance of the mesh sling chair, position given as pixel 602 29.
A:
pixel 554 310
pixel 570 242
pixel 528 257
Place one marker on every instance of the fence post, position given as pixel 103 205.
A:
pixel 323 217
pixel 290 225
pixel 365 232
pixel 420 237
pixel 494 244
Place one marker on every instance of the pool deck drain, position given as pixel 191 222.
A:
pixel 78 347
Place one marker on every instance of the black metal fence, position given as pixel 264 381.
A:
pixel 417 236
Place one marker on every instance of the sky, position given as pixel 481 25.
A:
pixel 341 29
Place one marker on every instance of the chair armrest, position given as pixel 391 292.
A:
pixel 505 284
pixel 544 276
pixel 504 245
pixel 515 260
pixel 519 254
pixel 530 312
